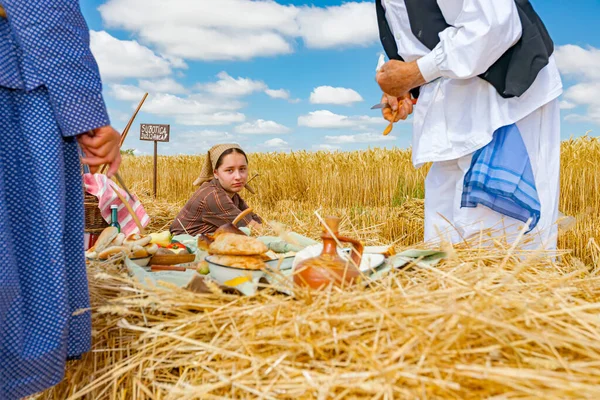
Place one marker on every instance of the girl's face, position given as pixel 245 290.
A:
pixel 233 172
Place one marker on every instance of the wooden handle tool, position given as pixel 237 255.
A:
pixel 241 216
pixel 389 128
pixel 155 268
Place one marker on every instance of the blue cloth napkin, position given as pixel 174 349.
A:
pixel 501 178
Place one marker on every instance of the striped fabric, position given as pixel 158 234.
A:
pixel 501 178
pixel 209 208
pixel 105 191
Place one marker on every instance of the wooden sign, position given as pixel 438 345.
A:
pixel 155 132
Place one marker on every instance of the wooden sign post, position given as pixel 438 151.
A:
pixel 156 133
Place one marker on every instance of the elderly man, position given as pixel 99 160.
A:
pixel 487 115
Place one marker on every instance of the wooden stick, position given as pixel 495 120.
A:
pixel 250 180
pixel 154 268
pixel 242 215
pixel 126 130
pixel 181 223
pixel 135 217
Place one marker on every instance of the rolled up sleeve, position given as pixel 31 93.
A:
pixel 481 32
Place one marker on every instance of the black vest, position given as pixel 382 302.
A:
pixel 511 75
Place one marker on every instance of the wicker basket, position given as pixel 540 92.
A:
pixel 94 223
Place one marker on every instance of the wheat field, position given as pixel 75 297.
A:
pixel 377 192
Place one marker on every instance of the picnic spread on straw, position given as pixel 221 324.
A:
pixel 236 315
pixel 229 315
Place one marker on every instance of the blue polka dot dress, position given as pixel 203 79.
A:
pixel 50 91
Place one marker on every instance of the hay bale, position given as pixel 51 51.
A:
pixel 484 323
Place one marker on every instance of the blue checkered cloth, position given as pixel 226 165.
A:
pixel 501 178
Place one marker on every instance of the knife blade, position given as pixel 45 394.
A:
pixel 386 105
pixel 122 183
pixel 380 105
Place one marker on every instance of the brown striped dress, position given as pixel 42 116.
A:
pixel 209 208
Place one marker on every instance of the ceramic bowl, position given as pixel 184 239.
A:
pixel 245 280
pixel 281 265
pixel 142 262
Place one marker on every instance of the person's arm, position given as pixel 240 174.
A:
pixel 481 32
pixel 55 41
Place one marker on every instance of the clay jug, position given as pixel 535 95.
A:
pixel 318 272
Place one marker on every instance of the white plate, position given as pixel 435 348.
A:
pixel 369 261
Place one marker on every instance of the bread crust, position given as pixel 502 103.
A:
pixel 241 262
pixel 232 244
pixel 137 239
pixel 108 235
pixel 111 251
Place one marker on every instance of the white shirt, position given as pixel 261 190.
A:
pixel 458 113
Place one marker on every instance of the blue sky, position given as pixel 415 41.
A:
pixel 267 75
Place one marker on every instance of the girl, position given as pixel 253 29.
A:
pixel 217 201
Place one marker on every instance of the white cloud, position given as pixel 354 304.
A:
pixel 583 65
pixel 278 93
pixel 168 104
pixel 276 143
pixel 240 29
pixel 120 59
pixel 585 94
pixel 360 138
pixel 325 147
pixel 261 127
pixel 334 95
pixel 231 87
pixel 219 118
pixel 351 24
pixel 327 119
pixel 579 62
pixel 165 85
pixel 126 92
pixel 203 135
pixel 118 115
pixel 196 110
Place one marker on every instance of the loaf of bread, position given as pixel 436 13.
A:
pixel 232 244
pixel 106 237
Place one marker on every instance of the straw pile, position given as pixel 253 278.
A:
pixel 489 323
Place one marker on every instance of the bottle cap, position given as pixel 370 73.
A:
pixel 113 206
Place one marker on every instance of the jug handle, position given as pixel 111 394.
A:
pixel 356 254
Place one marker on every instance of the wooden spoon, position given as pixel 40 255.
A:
pixel 388 129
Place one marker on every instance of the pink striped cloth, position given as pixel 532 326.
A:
pixel 104 189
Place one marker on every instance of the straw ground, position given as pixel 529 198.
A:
pixel 489 322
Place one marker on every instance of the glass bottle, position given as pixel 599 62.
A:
pixel 114 220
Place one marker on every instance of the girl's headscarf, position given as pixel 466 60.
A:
pixel 210 163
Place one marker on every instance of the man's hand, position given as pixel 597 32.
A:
pixel 397 78
pixel 403 104
pixel 101 147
